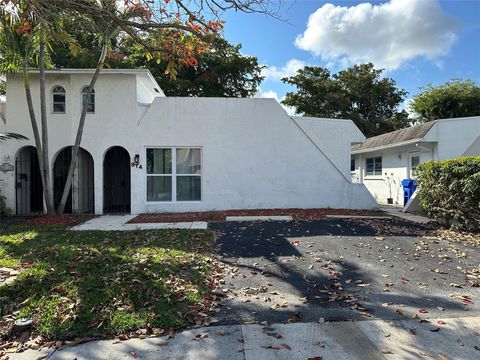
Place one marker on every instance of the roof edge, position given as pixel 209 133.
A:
pixel 388 146
pixel 90 71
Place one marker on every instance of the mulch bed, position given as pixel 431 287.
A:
pixel 67 220
pixel 297 214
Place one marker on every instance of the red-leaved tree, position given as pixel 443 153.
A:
pixel 171 31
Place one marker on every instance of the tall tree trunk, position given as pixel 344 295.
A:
pixel 43 117
pixel 36 136
pixel 81 125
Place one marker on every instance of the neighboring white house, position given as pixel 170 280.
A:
pixel 144 152
pixel 383 161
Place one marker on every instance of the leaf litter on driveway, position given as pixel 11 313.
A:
pixel 297 268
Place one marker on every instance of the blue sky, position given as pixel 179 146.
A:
pixel 418 41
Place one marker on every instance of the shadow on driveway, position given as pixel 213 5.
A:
pixel 340 270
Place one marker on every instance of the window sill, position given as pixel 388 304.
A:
pixel 172 202
pixel 373 177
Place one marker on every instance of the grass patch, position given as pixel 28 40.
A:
pixel 91 283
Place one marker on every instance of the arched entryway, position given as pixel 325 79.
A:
pixel 116 180
pixel 81 197
pixel 28 183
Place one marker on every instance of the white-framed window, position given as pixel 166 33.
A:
pixel 58 100
pixel 414 161
pixel 174 174
pixel 374 166
pixel 89 100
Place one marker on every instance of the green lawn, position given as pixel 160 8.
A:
pixel 76 284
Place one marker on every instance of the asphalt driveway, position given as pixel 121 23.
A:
pixel 334 270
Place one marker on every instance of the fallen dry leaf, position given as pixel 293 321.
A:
pixel 286 346
pixel 200 336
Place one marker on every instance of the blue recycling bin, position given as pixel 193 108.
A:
pixel 409 187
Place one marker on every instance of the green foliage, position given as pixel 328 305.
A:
pixel 3 87
pixel 456 98
pixel 359 93
pixel 103 282
pixel 221 71
pixel 450 191
pixel 4 210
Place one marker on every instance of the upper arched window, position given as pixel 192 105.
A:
pixel 88 100
pixel 58 99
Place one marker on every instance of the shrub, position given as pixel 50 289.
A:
pixel 4 211
pixel 450 191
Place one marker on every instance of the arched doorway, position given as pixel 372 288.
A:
pixel 28 183
pixel 81 197
pixel 116 180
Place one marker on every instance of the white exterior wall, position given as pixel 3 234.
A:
pixel 455 136
pixel 330 135
pixel 448 138
pixel 395 168
pixel 254 155
pixel 112 124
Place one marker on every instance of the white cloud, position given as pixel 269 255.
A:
pixel 289 69
pixel 387 34
pixel 273 95
pixel 267 94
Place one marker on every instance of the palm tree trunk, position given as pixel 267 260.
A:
pixel 81 125
pixel 43 117
pixel 36 136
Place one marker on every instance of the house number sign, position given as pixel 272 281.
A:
pixel 5 167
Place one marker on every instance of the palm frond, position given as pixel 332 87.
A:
pixel 6 136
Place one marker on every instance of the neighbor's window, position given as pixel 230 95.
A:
pixel 352 165
pixel 89 100
pixel 174 174
pixel 58 100
pixel 374 166
pixel 414 161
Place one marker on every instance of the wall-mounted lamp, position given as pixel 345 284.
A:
pixel 136 161
pixel 399 156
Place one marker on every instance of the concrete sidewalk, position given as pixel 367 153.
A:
pixel 371 339
pixel 119 223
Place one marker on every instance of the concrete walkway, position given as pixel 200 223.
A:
pixel 119 223
pixel 407 216
pixel 405 339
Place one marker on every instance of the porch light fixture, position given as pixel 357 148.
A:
pixel 136 161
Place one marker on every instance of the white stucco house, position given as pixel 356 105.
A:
pixel 382 162
pixel 143 152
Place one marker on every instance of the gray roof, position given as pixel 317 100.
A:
pixel 416 132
